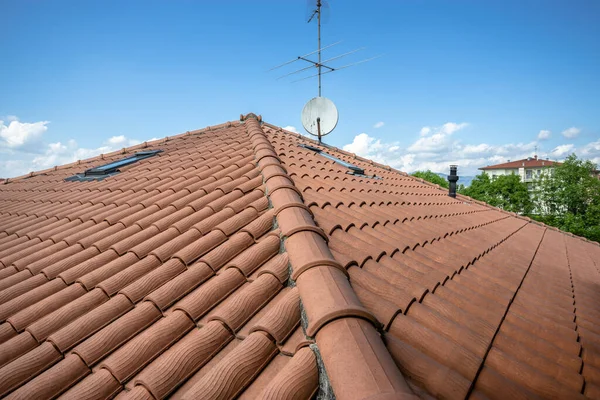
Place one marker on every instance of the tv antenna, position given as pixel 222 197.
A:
pixel 323 66
pixel 320 116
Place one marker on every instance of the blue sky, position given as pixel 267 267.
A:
pixel 472 82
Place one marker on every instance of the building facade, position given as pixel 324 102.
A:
pixel 529 169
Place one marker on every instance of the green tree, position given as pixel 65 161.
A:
pixel 431 177
pixel 569 198
pixel 506 192
pixel 480 188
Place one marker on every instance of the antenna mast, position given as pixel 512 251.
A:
pixel 318 64
pixel 319 34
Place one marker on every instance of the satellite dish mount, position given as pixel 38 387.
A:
pixel 319 116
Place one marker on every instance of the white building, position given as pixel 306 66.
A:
pixel 529 169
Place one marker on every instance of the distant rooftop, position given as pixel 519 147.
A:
pixel 530 162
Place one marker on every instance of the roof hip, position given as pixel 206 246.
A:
pixel 345 331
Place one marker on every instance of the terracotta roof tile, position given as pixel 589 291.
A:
pixel 183 359
pixel 128 275
pixel 13 276
pixel 202 270
pixel 438 379
pixel 31 297
pixel 241 306
pixel 70 335
pixel 201 300
pixel 277 266
pixel 137 393
pixel 236 370
pixel 54 380
pixel 153 280
pixel 83 267
pixel 200 247
pixel 27 366
pixel 173 290
pixel 51 303
pixel 15 347
pixel 117 333
pixel 54 321
pixel 63 261
pixel 136 353
pixel 101 384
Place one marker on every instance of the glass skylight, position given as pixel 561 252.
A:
pixel 110 169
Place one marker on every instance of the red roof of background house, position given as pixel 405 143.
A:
pixel 237 264
pixel 532 162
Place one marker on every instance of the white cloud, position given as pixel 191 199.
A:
pixel 450 127
pixel 544 134
pixel 122 141
pixel 290 128
pixel 21 136
pixel 571 132
pixel 22 149
pixel 436 139
pixel 562 150
pixel 363 144
pixel 477 149
pixel 591 149
pixel 372 148
pixel 379 124
pixel 435 148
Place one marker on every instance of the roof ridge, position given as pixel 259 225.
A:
pixel 532 163
pixel 124 150
pixel 334 314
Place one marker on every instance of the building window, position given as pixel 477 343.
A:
pixel 528 174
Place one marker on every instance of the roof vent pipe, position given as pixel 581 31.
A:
pixel 452 179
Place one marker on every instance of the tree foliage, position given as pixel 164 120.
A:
pixel 570 198
pixel 506 192
pixel 431 177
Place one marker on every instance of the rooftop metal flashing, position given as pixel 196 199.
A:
pixel 354 170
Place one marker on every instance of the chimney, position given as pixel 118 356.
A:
pixel 535 157
pixel 452 179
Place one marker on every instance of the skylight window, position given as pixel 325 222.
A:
pixel 354 170
pixel 110 169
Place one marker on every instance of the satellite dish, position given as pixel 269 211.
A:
pixel 319 116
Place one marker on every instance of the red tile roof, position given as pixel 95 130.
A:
pixel 524 163
pixel 237 264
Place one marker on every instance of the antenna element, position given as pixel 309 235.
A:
pixel 320 64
